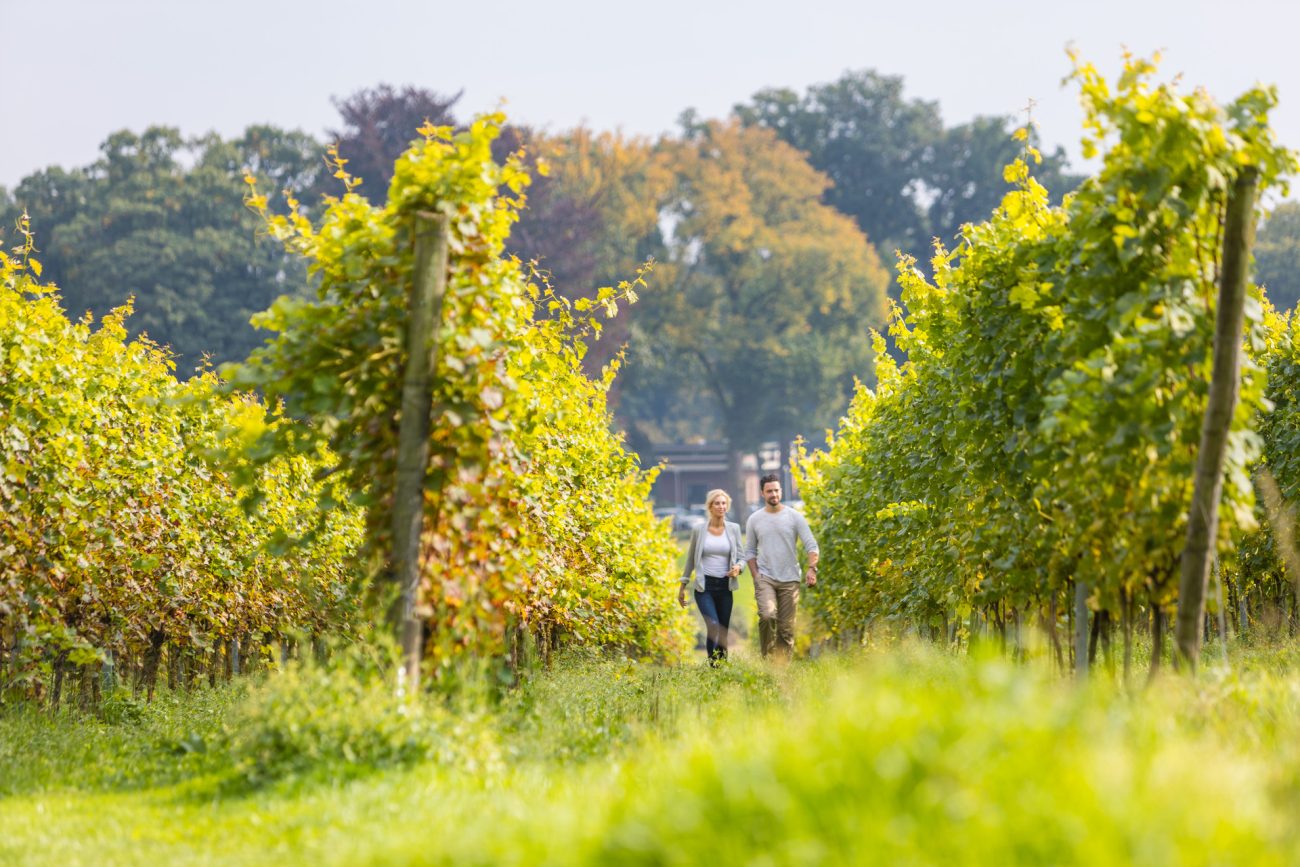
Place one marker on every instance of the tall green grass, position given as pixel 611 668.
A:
pixel 898 756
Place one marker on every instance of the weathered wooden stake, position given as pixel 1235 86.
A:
pixel 1081 636
pixel 1223 619
pixel 1203 520
pixel 1157 640
pixel 108 673
pixel 1126 600
pixel 427 292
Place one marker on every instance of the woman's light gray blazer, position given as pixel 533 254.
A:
pixel 695 554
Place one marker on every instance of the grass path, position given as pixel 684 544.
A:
pixel 899 756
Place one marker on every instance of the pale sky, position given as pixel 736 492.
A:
pixel 76 70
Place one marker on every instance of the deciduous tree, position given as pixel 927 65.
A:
pixel 379 123
pixel 1277 256
pixel 768 295
pixel 161 218
pixel 895 168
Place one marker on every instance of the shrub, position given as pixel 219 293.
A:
pixel 342 718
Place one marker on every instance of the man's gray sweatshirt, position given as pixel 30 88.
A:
pixel 770 536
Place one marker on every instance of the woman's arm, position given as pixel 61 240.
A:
pixel 737 550
pixel 690 567
pixel 690 555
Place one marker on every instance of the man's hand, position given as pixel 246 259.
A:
pixel 810 577
pixel 735 571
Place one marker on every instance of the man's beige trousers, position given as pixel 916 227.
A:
pixel 777 603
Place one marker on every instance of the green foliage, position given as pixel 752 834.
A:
pixel 124 750
pixel 602 560
pixel 378 124
pixel 895 169
pixel 116 529
pixel 161 219
pixel 1277 256
pixel 1256 566
pixel 587 707
pixel 902 757
pixel 1044 428
pixel 342 718
pixel 534 513
pixel 591 219
pixel 768 291
pixel 122 706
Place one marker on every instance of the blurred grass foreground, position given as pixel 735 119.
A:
pixel 897 756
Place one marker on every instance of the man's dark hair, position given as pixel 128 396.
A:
pixel 770 477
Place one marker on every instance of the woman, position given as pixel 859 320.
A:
pixel 715 557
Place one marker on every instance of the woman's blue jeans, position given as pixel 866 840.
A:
pixel 715 606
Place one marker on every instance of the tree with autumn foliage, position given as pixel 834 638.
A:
pixel 591 219
pixel 760 314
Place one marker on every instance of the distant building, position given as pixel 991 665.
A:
pixel 688 471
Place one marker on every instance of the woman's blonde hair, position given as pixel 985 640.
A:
pixel 714 494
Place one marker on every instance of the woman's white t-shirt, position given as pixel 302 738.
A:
pixel 716 559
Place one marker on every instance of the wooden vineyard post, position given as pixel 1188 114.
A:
pixel 427 291
pixel 1203 520
pixel 1081 592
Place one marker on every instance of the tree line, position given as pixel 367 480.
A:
pixel 767 229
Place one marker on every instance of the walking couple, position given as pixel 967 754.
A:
pixel 715 558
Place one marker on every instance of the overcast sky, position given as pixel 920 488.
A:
pixel 76 70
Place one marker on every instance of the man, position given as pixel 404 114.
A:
pixel 770 537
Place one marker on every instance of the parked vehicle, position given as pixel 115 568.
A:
pixel 683 519
pixel 692 518
pixel 669 511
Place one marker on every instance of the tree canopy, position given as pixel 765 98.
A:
pixel 379 124
pixel 766 295
pixel 1277 256
pixel 162 219
pixel 895 168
